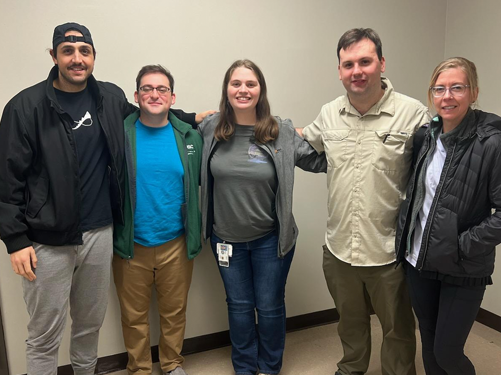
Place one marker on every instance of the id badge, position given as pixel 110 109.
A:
pixel 224 253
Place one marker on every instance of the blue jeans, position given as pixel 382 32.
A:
pixel 255 281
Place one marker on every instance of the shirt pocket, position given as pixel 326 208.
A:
pixel 389 149
pixel 336 146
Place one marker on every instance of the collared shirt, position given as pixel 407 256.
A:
pixel 369 162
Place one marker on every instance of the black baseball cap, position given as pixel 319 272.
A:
pixel 60 30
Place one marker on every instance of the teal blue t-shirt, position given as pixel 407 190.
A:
pixel 159 186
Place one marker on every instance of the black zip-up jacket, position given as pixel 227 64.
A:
pixel 462 230
pixel 40 188
pixel 39 177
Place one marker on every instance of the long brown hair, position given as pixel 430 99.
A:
pixel 266 128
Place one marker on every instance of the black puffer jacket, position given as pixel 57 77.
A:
pixel 461 232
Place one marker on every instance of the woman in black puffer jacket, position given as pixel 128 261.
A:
pixel 450 223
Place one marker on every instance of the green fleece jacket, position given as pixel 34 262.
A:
pixel 189 145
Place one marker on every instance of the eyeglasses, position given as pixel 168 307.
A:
pixel 456 90
pixel 162 90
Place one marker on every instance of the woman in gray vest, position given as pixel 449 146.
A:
pixel 247 182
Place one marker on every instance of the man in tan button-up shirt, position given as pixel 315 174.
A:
pixel 367 137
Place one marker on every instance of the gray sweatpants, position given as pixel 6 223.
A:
pixel 78 275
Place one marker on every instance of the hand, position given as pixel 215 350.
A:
pixel 200 116
pixel 299 131
pixel 22 261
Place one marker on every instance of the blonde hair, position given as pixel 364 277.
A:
pixel 465 65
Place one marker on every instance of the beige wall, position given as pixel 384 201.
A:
pixel 473 32
pixel 294 43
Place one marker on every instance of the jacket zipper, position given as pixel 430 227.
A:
pixel 186 187
pixel 130 174
pixel 409 207
pixel 424 244
pixel 112 159
pixel 207 172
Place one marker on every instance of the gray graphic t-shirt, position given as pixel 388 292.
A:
pixel 245 185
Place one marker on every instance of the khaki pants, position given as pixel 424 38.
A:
pixel 354 290
pixel 168 268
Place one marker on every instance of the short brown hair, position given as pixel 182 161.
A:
pixel 356 35
pixel 149 69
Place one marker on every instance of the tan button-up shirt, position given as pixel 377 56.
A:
pixel 369 160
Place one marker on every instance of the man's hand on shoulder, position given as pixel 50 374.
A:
pixel 299 131
pixel 200 116
pixel 22 262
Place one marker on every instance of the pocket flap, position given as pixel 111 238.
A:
pixel 393 137
pixel 336 135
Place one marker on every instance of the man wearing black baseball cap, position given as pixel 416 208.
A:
pixel 61 162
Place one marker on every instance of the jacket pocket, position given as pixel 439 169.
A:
pixel 389 148
pixel 39 194
pixel 473 263
pixel 336 143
